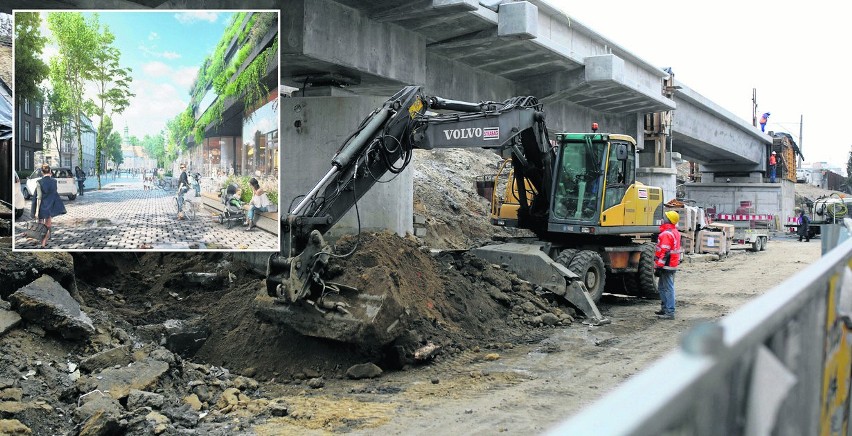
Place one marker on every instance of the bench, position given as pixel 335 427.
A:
pixel 268 220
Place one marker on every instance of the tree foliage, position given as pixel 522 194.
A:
pixel 76 38
pixel 30 70
pixel 113 87
pixel 847 185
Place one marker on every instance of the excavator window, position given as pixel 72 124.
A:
pixel 577 193
pixel 620 174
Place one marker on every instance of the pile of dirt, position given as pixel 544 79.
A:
pixel 445 195
pixel 454 300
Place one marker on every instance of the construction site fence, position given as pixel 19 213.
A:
pixel 779 365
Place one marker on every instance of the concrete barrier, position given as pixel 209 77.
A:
pixel 779 365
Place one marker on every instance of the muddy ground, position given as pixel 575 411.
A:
pixel 496 372
pixel 509 359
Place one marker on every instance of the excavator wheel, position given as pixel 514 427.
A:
pixel 642 283
pixel 589 266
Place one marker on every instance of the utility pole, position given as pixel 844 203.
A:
pixel 801 120
pixel 754 107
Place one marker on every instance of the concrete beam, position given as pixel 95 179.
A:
pixel 323 36
pixel 517 20
pixel 705 132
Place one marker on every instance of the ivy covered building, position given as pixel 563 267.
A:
pixel 231 124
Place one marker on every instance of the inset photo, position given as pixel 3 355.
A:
pixel 146 130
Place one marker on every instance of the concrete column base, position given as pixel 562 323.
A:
pixel 312 130
pixel 665 178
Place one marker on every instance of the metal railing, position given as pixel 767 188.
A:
pixel 779 365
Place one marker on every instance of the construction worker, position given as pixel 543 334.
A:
pixel 772 165
pixel 666 261
pixel 763 120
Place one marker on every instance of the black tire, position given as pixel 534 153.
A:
pixel 763 241
pixel 755 246
pixel 71 197
pixel 589 266
pixel 19 213
pixel 642 283
pixel 26 193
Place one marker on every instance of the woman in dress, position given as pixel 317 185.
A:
pixel 47 203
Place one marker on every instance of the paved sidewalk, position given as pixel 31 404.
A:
pixel 123 216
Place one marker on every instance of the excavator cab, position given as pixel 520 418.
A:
pixel 594 189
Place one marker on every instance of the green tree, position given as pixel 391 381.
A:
pixel 847 185
pixel 113 147
pixel 112 83
pixel 154 146
pixel 30 70
pixel 77 40
pixel 57 107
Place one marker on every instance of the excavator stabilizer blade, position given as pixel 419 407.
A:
pixel 532 264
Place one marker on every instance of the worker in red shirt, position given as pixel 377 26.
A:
pixel 772 165
pixel 666 261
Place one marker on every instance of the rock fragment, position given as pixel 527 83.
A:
pixel 363 370
pixel 46 302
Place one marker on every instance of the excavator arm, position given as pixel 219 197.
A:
pixel 382 144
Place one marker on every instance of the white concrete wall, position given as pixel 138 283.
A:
pixel 307 152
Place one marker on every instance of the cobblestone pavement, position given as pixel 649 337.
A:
pixel 126 217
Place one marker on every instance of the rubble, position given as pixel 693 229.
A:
pixel 21 268
pixel 364 370
pixel 185 337
pixel 137 399
pixel 13 427
pixel 118 382
pixel 106 359
pixel 8 320
pixel 46 302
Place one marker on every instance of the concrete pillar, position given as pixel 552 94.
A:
pixel 226 152
pixel 313 129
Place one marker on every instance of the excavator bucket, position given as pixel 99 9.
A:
pixel 303 301
pixel 530 263
pixel 369 317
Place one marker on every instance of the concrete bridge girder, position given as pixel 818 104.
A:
pixel 704 132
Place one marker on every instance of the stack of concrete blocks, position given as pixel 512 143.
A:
pixel 713 242
pixel 687 226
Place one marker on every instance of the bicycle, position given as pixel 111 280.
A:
pixel 190 208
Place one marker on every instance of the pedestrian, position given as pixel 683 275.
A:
pixel 81 179
pixel 763 120
pixel 46 203
pixel 804 226
pixel 666 261
pixel 183 186
pixel 772 164
pixel 259 203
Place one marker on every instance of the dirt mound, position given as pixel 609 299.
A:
pixel 455 300
pixel 445 195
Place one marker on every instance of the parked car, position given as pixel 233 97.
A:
pixel 18 201
pixel 66 184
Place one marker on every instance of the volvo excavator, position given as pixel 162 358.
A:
pixel 594 223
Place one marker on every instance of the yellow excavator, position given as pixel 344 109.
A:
pixel 593 222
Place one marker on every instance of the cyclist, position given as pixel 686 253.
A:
pixel 183 186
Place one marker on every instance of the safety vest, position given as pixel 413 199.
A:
pixel 668 251
pixel 771 159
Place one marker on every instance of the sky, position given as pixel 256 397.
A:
pixel 794 53
pixel 164 51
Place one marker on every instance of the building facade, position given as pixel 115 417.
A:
pixel 29 136
pixel 244 140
